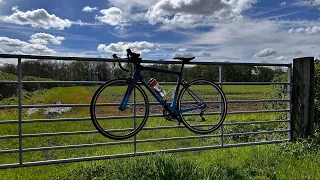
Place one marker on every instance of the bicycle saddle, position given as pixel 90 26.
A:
pixel 184 59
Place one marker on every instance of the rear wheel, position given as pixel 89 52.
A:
pixel 211 116
pixel 112 122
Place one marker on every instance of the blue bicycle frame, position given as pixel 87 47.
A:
pixel 168 106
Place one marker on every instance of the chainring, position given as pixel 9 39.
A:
pixel 168 115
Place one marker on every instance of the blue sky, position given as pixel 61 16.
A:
pixel 211 30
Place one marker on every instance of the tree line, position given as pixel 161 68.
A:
pixel 103 71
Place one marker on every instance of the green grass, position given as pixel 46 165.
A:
pixel 256 162
pixel 229 162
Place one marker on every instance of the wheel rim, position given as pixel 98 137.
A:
pixel 215 112
pixel 112 122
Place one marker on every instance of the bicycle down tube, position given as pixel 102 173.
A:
pixel 137 76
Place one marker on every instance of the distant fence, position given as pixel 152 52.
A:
pixel 24 139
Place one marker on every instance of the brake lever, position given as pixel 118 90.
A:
pixel 123 69
pixel 119 63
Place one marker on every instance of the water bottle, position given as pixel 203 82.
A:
pixel 155 85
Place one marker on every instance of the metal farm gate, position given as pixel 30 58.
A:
pixel 30 141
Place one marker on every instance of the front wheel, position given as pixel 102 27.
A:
pixel 210 97
pixel 112 122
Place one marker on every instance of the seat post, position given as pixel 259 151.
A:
pixel 182 67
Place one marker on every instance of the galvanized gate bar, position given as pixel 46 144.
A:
pixel 209 62
pixel 79 119
pixel 60 161
pixel 140 141
pixel 134 121
pixel 124 117
pixel 164 83
pixel 20 109
pixel 150 103
pixel 220 85
pixel 120 130
pixel 289 94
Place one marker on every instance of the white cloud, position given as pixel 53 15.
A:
pixel 18 45
pixel 239 6
pixel 1 1
pixel 186 13
pixel 169 7
pixel 242 37
pixel 182 49
pixel 43 38
pixel 241 31
pixel 309 3
pixel 12 42
pixel 37 49
pixel 206 54
pixel 2 51
pixel 183 53
pixel 266 53
pixel 89 9
pixel 283 4
pixel 188 21
pixel 308 30
pixel 111 16
pixel 295 24
pixel 137 4
pixel 15 8
pixel 79 22
pixel 298 53
pixel 37 18
pixel 18 52
pixel 281 58
pixel 135 10
pixel 121 47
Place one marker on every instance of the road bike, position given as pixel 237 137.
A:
pixel 120 108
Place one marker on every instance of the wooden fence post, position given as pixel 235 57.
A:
pixel 303 97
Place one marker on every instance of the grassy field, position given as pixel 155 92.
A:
pixel 281 161
pixel 265 161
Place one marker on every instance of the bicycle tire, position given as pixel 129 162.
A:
pixel 191 123
pixel 113 92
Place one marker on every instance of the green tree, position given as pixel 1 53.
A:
pixel 7 90
pixel 79 71
pixel 9 68
pixel 264 74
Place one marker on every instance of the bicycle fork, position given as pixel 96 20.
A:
pixel 132 83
